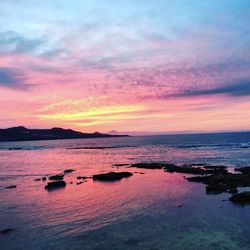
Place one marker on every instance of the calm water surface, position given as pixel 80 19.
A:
pixel 140 212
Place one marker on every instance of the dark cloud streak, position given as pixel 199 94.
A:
pixel 13 42
pixel 241 88
pixel 13 78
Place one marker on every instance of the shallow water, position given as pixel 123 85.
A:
pixel 140 212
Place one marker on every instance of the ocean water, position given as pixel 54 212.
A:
pixel 154 210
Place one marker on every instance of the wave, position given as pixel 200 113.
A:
pixel 245 145
pixel 229 145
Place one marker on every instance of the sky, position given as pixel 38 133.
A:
pixel 153 66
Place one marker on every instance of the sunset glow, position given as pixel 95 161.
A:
pixel 129 66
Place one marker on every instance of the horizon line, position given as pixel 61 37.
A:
pixel 143 133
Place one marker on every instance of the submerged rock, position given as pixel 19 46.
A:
pixel 6 231
pixel 67 171
pixel 111 176
pixel 56 177
pixel 44 179
pixel 55 184
pixel 12 186
pixel 241 198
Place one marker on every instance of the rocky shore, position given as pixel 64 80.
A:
pixel 216 179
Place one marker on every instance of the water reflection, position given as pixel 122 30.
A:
pixel 139 212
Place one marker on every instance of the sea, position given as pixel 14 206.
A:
pixel 151 210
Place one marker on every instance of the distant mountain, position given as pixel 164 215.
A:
pixel 24 134
pixel 113 132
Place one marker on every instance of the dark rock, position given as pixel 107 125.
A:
pixel 15 148
pixel 67 171
pixel 199 169
pixel 44 179
pixel 78 183
pixel 55 184
pixel 57 177
pixel 218 183
pixel 241 198
pixel 121 164
pixel 13 186
pixel 203 179
pixel 37 179
pixel 198 164
pixel 184 169
pixel 149 165
pixel 216 171
pixel 180 205
pixel 215 167
pixel 244 170
pixel 204 169
pixel 236 180
pixel 232 190
pixel 93 147
pixel 6 231
pixel 216 188
pixel 111 176
pixel 81 177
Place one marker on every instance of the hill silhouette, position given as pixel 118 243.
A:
pixel 24 134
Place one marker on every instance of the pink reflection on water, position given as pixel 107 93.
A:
pixel 92 204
